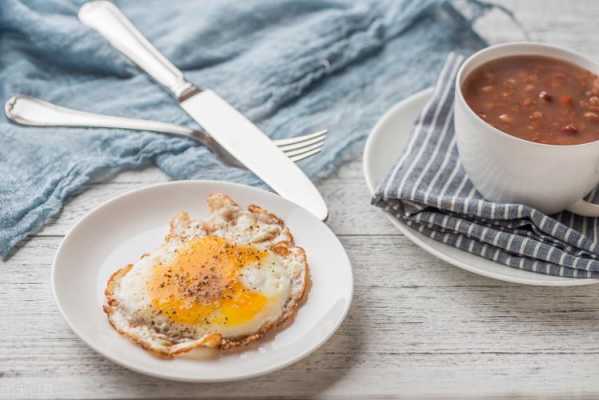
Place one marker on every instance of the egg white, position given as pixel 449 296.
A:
pixel 280 277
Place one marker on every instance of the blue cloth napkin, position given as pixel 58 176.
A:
pixel 429 190
pixel 291 66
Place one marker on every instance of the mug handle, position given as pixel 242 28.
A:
pixel 584 208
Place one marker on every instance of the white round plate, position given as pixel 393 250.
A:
pixel 119 231
pixel 385 143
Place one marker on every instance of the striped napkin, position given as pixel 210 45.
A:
pixel 429 191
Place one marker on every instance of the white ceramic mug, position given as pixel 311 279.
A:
pixel 504 168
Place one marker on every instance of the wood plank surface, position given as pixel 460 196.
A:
pixel 418 327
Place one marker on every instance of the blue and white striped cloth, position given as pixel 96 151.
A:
pixel 429 191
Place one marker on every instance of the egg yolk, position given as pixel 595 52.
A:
pixel 201 284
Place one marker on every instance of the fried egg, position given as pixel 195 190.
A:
pixel 222 283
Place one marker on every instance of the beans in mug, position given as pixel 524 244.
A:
pixel 536 98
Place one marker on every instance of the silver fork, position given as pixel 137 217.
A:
pixel 26 110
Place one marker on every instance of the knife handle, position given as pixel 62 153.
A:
pixel 104 17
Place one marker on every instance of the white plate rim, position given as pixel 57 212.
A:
pixel 436 248
pixel 301 355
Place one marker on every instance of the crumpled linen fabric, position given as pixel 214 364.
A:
pixel 291 66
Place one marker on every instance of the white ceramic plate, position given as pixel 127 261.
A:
pixel 385 143
pixel 119 231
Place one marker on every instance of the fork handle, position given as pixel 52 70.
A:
pixel 27 110
pixel 114 26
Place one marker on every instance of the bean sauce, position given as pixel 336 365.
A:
pixel 536 98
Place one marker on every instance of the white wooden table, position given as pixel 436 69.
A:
pixel 418 327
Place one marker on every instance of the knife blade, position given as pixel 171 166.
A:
pixel 231 129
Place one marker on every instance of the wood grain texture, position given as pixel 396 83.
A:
pixel 418 327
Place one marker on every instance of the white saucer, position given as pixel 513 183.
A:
pixel 385 143
pixel 119 231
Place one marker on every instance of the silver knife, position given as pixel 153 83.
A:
pixel 225 124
